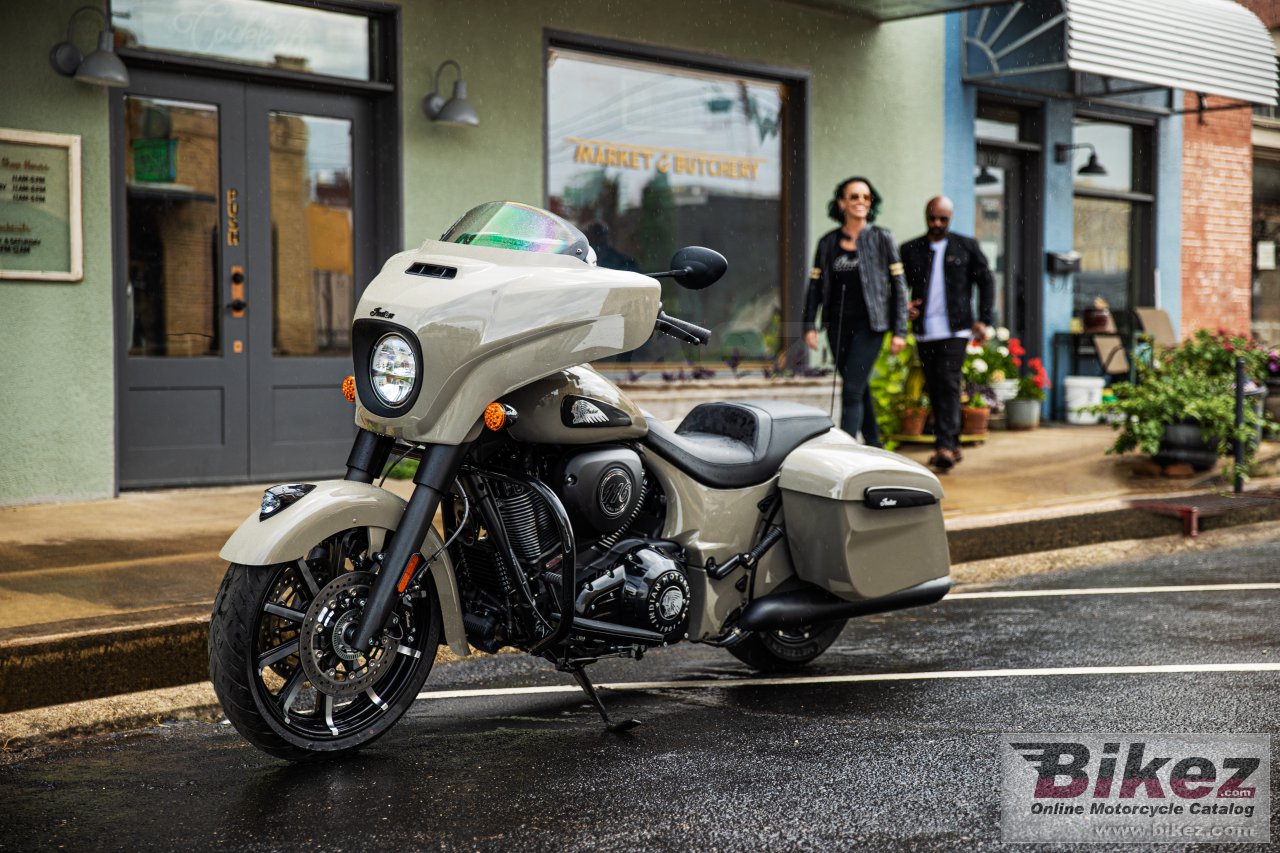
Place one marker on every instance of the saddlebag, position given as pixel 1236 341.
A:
pixel 861 523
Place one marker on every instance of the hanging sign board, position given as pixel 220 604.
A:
pixel 41 237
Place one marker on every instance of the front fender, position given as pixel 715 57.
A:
pixel 333 506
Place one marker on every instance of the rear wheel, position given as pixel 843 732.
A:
pixel 788 650
pixel 287 680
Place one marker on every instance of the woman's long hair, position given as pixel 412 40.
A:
pixel 833 206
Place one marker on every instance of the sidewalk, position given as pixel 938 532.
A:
pixel 113 596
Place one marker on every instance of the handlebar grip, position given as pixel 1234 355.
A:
pixel 692 332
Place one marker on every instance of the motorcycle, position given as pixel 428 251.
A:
pixel 573 526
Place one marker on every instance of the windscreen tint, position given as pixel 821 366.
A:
pixel 520 227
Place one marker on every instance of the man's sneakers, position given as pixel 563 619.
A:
pixel 944 459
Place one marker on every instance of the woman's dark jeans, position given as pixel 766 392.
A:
pixel 857 409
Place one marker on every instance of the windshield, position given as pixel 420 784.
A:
pixel 511 225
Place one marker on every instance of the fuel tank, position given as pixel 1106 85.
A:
pixel 574 406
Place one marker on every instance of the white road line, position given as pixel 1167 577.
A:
pixel 941 675
pixel 1112 590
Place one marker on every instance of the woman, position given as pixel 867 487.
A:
pixel 858 281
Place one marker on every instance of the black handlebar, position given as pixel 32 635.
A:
pixel 682 330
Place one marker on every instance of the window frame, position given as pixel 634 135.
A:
pixel 1142 287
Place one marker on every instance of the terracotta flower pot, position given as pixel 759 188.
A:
pixel 975 421
pixel 1023 414
pixel 912 421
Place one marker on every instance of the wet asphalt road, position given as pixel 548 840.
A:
pixel 889 765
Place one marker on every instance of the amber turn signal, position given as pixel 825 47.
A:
pixel 349 389
pixel 495 416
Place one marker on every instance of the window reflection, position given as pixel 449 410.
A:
pixel 646 158
pixel 254 32
pixel 1115 146
pixel 171 203
pixel 312 243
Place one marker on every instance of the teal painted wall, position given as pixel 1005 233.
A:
pixel 875 95
pixel 57 406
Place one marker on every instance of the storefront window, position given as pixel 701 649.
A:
pixel 646 158
pixel 255 32
pixel 1266 234
pixel 1113 220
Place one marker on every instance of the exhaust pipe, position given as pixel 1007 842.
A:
pixel 806 606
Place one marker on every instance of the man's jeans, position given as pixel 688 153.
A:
pixel 942 361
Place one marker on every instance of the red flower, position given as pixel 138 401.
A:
pixel 1015 349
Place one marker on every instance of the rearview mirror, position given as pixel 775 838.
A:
pixel 696 267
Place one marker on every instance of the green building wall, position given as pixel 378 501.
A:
pixel 875 108
pixel 875 100
pixel 57 395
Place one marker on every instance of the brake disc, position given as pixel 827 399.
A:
pixel 333 666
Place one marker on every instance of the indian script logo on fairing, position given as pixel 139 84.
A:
pixel 381 312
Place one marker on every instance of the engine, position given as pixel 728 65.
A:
pixel 626 575
pixel 600 488
pixel 645 588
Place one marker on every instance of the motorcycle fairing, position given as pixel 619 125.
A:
pixel 506 319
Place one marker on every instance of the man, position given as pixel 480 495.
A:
pixel 942 271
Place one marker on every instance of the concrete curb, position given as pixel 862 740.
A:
pixel 111 661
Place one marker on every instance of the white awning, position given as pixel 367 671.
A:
pixel 1213 47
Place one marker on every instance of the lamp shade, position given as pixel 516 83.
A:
pixel 458 110
pixel 103 67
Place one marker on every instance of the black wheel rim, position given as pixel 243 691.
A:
pixel 280 682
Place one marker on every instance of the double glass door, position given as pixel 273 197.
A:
pixel 244 232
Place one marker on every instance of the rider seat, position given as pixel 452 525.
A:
pixel 738 444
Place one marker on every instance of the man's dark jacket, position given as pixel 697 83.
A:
pixel 964 267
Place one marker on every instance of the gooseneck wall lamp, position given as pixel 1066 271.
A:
pixel 457 110
pixel 102 67
pixel 1062 154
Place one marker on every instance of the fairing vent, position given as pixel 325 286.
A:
pixel 432 271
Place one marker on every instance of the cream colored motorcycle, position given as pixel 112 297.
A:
pixel 549 513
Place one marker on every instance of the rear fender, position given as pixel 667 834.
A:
pixel 333 506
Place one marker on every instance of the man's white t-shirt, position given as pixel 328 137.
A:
pixel 937 325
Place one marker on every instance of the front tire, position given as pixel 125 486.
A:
pixel 263 625
pixel 787 651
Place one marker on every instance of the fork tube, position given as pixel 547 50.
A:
pixel 368 456
pixel 436 471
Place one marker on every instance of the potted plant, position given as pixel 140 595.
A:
pixel 1182 408
pixel 976 413
pixel 1023 411
pixel 1001 353
pixel 912 414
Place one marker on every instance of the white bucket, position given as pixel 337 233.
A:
pixel 1081 392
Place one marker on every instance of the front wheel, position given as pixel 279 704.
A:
pixel 284 676
pixel 788 650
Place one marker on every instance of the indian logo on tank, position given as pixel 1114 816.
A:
pixel 586 412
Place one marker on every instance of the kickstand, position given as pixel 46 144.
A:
pixel 584 681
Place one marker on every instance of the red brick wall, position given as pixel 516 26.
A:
pixel 1217 199
pixel 1267 10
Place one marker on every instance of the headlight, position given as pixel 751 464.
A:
pixel 393 369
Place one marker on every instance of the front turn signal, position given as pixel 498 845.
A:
pixel 349 389
pixel 497 416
